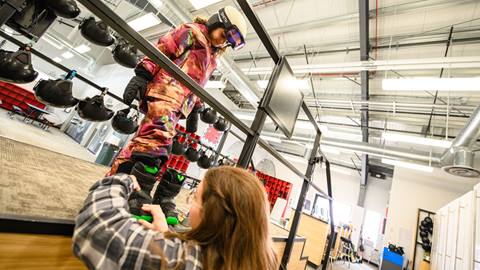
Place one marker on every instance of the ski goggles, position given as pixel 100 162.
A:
pixel 234 38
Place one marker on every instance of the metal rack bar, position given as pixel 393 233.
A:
pixel 58 65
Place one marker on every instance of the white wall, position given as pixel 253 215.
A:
pixel 412 190
pixel 378 194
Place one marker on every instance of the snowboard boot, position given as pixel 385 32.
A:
pixel 145 168
pixel 167 189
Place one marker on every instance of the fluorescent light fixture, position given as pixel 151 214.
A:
pixel 397 137
pixel 156 3
pixel 331 150
pixel 198 4
pixel 67 55
pixel 82 48
pixel 295 159
pixel 432 84
pixel 271 139
pixel 407 165
pixel 341 170
pixel 245 116
pixel 55 44
pixel 8 30
pixel 301 84
pixel 302 124
pixel 146 21
pixel 262 83
pixel 215 85
pixel 57 59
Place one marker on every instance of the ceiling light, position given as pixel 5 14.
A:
pixel 8 30
pixel 341 170
pixel 215 85
pixel 55 44
pixel 146 21
pixel 295 159
pixel 432 84
pixel 407 165
pixel 82 48
pixel 262 83
pixel 301 84
pixel 57 59
pixel 396 137
pixel 331 150
pixel 198 4
pixel 67 55
pixel 343 135
pixel 156 3
pixel 271 139
pixel 245 116
pixel 304 124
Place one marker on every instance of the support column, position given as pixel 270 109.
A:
pixel 330 210
pixel 301 200
pixel 364 56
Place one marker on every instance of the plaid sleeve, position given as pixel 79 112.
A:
pixel 106 237
pixel 173 44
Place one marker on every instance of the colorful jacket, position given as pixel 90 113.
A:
pixel 189 48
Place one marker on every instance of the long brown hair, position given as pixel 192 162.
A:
pixel 233 232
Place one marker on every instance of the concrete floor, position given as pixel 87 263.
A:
pixel 41 183
pixel 51 139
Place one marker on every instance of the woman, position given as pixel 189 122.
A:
pixel 228 215
pixel 194 47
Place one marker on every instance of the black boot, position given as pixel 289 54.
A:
pixel 145 168
pixel 138 198
pixel 167 189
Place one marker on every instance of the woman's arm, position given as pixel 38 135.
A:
pixel 106 237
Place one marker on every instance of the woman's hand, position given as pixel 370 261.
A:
pixel 159 222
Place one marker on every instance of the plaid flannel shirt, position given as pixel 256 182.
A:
pixel 107 237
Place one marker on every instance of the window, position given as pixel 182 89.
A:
pixel 342 213
pixel 371 226
pixel 320 208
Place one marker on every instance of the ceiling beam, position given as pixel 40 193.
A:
pixel 364 86
pixel 449 42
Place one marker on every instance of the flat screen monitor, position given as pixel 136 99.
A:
pixel 283 98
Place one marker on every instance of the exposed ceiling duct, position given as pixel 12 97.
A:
pixel 460 157
pixel 379 151
pixel 380 65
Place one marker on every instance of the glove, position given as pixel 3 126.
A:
pixel 192 120
pixel 137 87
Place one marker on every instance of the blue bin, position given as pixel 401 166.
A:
pixel 392 257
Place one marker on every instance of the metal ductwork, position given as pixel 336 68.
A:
pixel 460 157
pixel 379 151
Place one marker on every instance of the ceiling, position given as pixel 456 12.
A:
pixel 326 33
